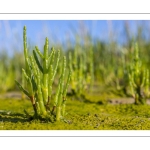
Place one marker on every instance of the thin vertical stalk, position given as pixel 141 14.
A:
pixel 60 96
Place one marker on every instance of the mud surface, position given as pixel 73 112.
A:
pixel 13 95
pixel 124 101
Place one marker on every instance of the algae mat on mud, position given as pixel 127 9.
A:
pixel 80 116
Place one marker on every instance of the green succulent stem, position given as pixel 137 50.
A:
pixel 23 84
pixel 27 66
pixel 58 113
pixel 39 74
pixel 52 73
pixel 61 88
pixel 65 93
pixel 63 107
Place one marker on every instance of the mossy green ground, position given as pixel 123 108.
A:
pixel 82 115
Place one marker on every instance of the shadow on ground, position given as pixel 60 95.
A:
pixel 12 117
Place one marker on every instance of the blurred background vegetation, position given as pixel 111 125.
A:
pixel 112 44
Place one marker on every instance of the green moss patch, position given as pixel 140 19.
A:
pixel 80 116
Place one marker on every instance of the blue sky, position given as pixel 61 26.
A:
pixel 58 31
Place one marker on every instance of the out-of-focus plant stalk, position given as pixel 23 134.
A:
pixel 138 79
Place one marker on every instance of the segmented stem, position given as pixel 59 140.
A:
pixel 39 79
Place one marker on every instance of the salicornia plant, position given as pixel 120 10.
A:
pixel 81 64
pixel 138 79
pixel 39 76
pixel 7 75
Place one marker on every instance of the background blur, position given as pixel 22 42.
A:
pixel 62 31
pixel 110 40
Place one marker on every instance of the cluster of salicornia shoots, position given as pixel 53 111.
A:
pixel 9 70
pixel 82 66
pixel 138 79
pixel 39 76
pixel 6 78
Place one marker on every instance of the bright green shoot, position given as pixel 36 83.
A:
pixel 39 76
